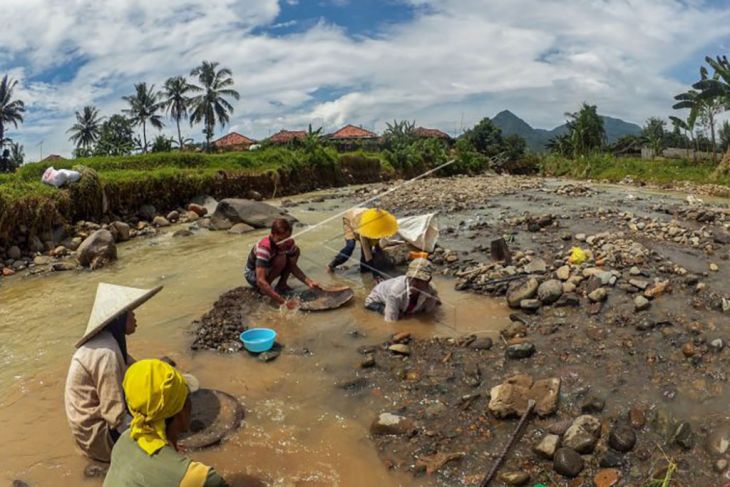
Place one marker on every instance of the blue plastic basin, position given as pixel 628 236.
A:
pixel 258 339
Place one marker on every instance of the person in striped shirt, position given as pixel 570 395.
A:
pixel 276 256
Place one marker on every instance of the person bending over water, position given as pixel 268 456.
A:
pixel 405 295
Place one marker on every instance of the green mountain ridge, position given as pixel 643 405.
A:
pixel 536 139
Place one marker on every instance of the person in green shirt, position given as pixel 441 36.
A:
pixel 146 454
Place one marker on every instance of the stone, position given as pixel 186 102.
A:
pixel 567 462
pixel 639 283
pixel 530 304
pixel 683 436
pixel 688 349
pixel 520 351
pixel 268 356
pixel 610 459
pixel 182 233
pixel 96 470
pixel 240 229
pixel 622 438
pixel 536 266
pixel 217 223
pixel 607 478
pixel 550 291
pixel 563 273
pixel 500 252
pixel 637 417
pixel 641 303
pixel 560 427
pixel 368 362
pixel 73 243
pixel 63 266
pixel 592 405
pixel 569 287
pixel 547 446
pixel 59 251
pixel 546 394
pixel 36 244
pixel 173 216
pixel 42 260
pixel 391 424
pixel 482 343
pixel 657 289
pixel 147 212
pixel 400 349
pixel 717 344
pixel 511 397
pixel 635 271
pixel 514 329
pixel 121 231
pixel 190 216
pixel 663 422
pixel 434 463
pixel 254 213
pixel 599 295
pixel 7 272
pixel 721 465
pixel 521 290
pixel 97 250
pixel 514 478
pixel 160 221
pixel 718 440
pixel 198 209
pixel 14 252
pixel 582 435
pixel 714 267
pixel 581 237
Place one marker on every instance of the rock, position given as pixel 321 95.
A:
pixel 511 397
pixel 688 349
pixel 254 213
pixel 97 250
pixel 582 434
pixel 567 462
pixel 147 212
pixel 7 272
pixel 521 290
pixel 36 244
pixel 530 304
pixel 400 349
pixel 563 273
pixel 547 446
pixel 19 483
pixel 160 221
pixel 198 209
pixel 59 251
pixel 73 243
pixel 581 237
pixel 514 478
pixel 637 418
pixel 514 329
pixel 268 356
pixel 120 231
pixel 240 229
pixel 592 405
pixel 622 438
pixel 550 291
pixel 560 427
pixel 218 223
pixel 14 252
pixel 641 303
pixel 683 436
pixel 182 233
pixel 721 465
pixel 657 289
pixel 190 216
pixel 173 216
pixel 607 478
pixel 717 344
pixel 63 266
pixel 42 260
pixel 639 283
pixel 434 463
pixel 401 337
pixel 368 362
pixel 546 394
pixel 610 459
pixel 663 422
pixel 635 271
pixel 718 440
pixel 714 267
pixel 391 424
pixel 520 351
pixel 599 295
pixel 568 288
pixel 499 251
pixel 536 266
pixel 482 343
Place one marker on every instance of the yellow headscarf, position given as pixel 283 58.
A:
pixel 155 391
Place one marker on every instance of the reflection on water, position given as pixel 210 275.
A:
pixel 299 429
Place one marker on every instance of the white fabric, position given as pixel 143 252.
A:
pixel 420 231
pixel 59 177
pixel 393 293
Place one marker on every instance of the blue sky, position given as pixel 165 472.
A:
pixel 444 63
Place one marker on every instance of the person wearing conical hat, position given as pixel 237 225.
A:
pixel 405 295
pixel 93 396
pixel 158 397
pixel 366 226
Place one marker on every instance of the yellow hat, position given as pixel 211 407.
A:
pixel 377 223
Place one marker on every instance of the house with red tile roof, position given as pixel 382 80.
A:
pixel 233 141
pixel 425 133
pixel 351 133
pixel 287 136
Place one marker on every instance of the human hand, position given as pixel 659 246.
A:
pixel 312 284
pixel 291 304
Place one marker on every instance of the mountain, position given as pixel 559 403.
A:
pixel 536 139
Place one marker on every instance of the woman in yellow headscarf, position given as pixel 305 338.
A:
pixel 146 454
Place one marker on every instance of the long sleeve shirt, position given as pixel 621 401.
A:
pixel 395 295
pixel 94 397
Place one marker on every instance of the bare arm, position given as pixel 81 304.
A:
pixel 265 287
pixel 299 274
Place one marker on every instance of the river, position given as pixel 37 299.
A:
pixel 300 429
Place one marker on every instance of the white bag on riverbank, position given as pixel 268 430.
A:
pixel 421 231
pixel 60 177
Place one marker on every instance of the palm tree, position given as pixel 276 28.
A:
pixel 17 154
pixel 211 106
pixel 85 132
pixel 176 101
pixel 143 108
pixel 11 111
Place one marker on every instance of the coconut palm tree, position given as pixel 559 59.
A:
pixel 143 108
pixel 85 132
pixel 176 101
pixel 211 105
pixel 11 111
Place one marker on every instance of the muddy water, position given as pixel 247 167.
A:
pixel 300 429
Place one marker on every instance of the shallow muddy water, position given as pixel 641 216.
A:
pixel 300 428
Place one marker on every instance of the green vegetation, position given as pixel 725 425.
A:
pixel 211 106
pixel 11 110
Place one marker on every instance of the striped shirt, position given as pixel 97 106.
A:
pixel 266 250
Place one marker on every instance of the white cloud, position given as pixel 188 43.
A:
pixel 455 62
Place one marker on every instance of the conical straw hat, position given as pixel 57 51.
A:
pixel 377 223
pixel 111 301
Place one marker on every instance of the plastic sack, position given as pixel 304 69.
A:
pixel 420 231
pixel 577 256
pixel 60 177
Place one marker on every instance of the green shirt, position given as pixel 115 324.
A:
pixel 132 467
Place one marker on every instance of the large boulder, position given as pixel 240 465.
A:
pixel 97 250
pixel 511 397
pixel 254 213
pixel 521 290
pixel 120 230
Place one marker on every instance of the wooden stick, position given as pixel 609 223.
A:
pixel 513 439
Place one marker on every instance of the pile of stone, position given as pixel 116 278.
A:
pixel 575 190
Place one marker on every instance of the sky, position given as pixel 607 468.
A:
pixel 443 63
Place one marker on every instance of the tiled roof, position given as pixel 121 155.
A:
pixel 436 133
pixel 233 139
pixel 352 132
pixel 285 136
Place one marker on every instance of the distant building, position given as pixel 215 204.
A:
pixel 233 142
pixel 352 133
pixel 287 136
pixel 53 157
pixel 425 133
